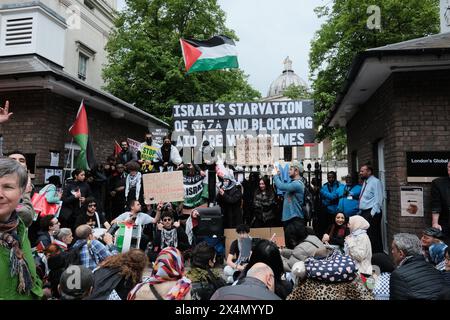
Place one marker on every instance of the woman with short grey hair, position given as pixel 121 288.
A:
pixel 16 259
pixel 63 238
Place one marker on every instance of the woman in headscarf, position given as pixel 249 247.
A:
pixel 167 281
pixel 229 199
pixel 167 157
pixel 358 246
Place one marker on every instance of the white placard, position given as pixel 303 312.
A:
pixel 411 201
pixel 54 159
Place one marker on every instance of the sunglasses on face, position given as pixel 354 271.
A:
pixel 92 205
pixel 167 219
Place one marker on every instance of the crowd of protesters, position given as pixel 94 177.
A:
pixel 340 259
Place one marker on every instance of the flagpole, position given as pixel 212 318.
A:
pixel 69 157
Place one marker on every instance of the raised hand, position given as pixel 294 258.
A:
pixel 4 113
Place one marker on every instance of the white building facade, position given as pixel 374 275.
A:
pixel 70 33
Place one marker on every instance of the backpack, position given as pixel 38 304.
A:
pixel 73 256
pixel 335 267
pixel 308 203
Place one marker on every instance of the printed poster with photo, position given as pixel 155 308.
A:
pixel 411 201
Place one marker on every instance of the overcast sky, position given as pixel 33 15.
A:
pixel 268 31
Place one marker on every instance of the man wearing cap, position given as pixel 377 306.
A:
pixel 293 199
pixel 430 236
pixel 440 204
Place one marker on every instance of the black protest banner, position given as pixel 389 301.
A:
pixel 289 123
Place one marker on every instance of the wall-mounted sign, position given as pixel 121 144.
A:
pixel 411 199
pixel 426 166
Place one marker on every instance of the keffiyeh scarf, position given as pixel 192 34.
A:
pixel 9 239
pixel 133 181
pixel 169 266
pixel 169 238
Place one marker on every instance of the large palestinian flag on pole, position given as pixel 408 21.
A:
pixel 80 133
pixel 219 52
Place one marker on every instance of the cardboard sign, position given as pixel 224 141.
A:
pixel 262 233
pixel 164 186
pixel 133 144
pixel 253 151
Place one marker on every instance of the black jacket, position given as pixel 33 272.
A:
pixel 44 237
pixel 71 206
pixel 108 279
pixel 249 289
pixel 416 279
pixel 440 200
pixel 230 203
pixel 127 156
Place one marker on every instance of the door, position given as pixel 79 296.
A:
pixel 381 176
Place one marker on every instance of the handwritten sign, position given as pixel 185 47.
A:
pixel 134 145
pixel 254 151
pixel 164 186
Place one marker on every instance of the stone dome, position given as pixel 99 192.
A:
pixel 287 78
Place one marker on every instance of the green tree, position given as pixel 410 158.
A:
pixel 297 92
pixel 345 33
pixel 145 63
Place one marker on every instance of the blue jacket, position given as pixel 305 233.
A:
pixel 293 199
pixel 330 198
pixel 349 207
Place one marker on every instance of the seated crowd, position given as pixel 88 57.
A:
pixel 167 260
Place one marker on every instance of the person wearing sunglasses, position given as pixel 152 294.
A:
pixel 169 233
pixel 90 216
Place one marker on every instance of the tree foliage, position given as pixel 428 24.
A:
pixel 297 92
pixel 345 33
pixel 145 63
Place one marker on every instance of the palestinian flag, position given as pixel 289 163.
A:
pixel 219 52
pixel 195 190
pixel 80 132
pixel 117 148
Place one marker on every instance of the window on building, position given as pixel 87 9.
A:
pixel 82 66
pixel 71 151
pixel 89 4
